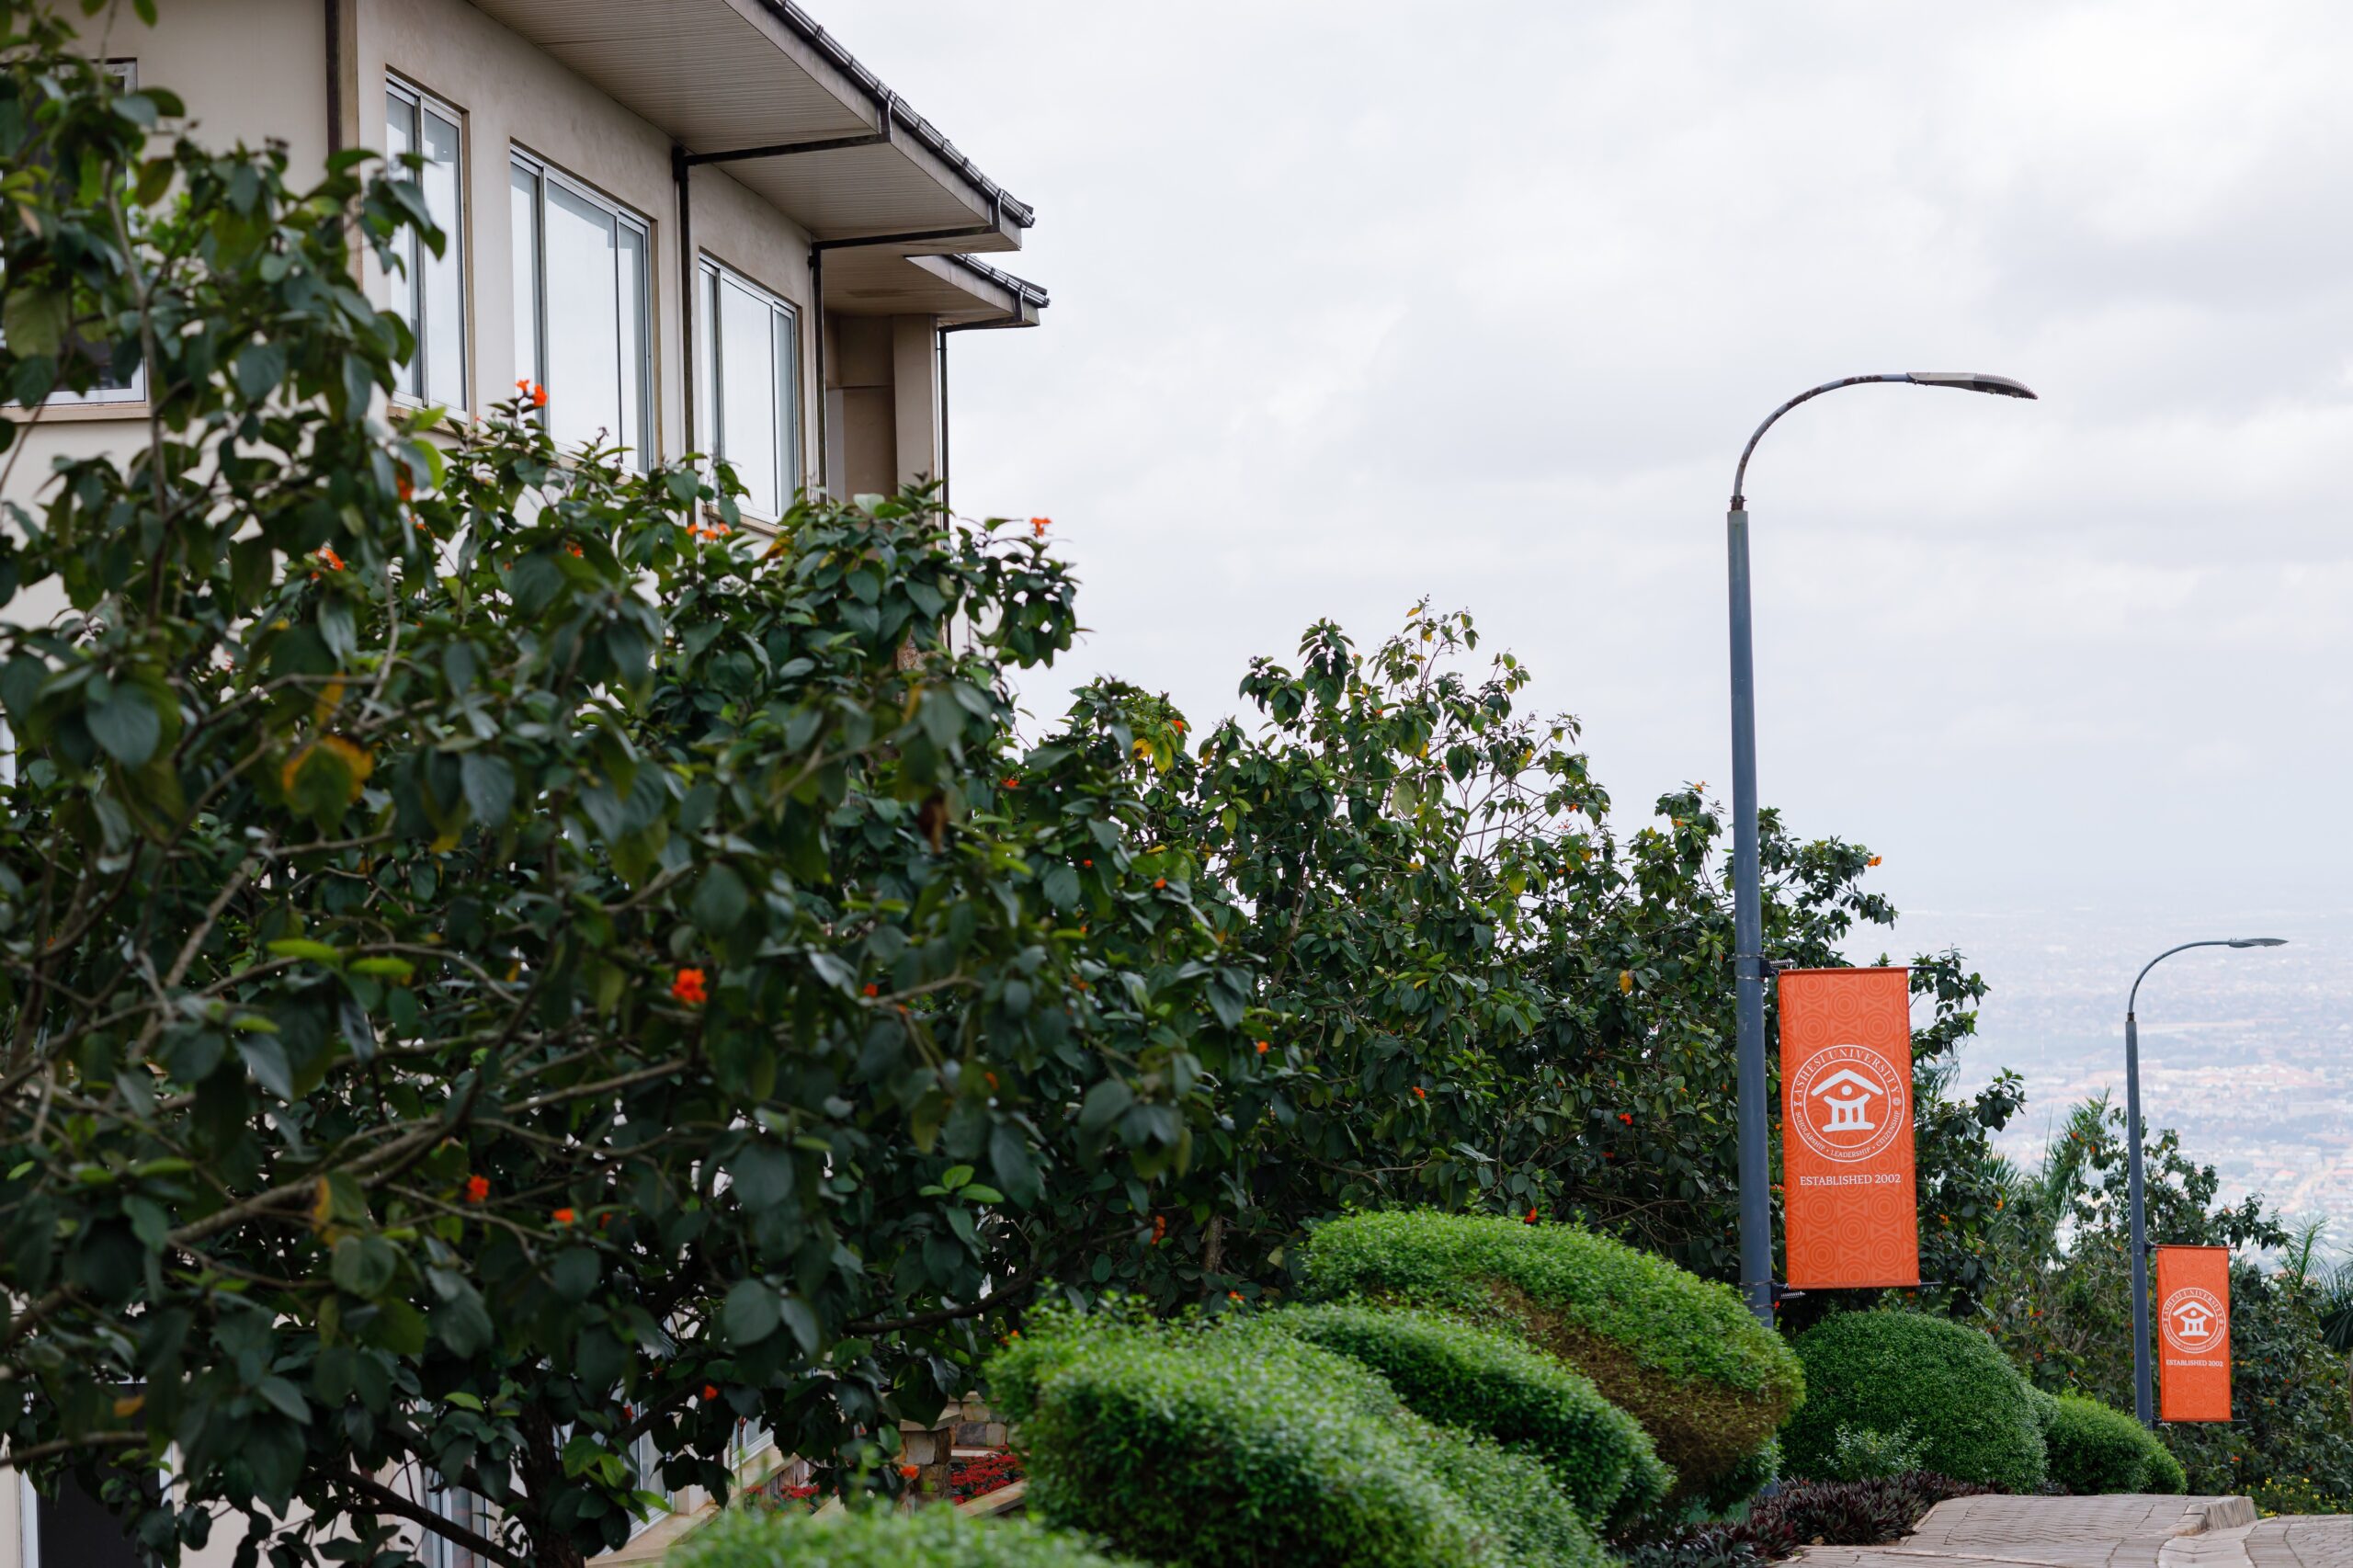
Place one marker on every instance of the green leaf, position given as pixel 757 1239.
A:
pixel 302 947
pixel 978 1193
pixel 955 1177
pixel 126 724
pixel 34 320
pixel 752 1311
pixel 266 1060
pixel 489 785
pixel 720 901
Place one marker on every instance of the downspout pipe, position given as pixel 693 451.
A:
pixel 682 172
pixel 335 76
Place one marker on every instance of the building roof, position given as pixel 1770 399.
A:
pixel 849 160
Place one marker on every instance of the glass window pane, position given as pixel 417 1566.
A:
pixel 706 366
pixel 399 141
pixel 583 345
pixel 747 392
pixel 635 424
pixel 441 289
pixel 525 203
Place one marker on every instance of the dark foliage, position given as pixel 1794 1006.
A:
pixel 1805 1513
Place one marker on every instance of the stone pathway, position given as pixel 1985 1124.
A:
pixel 2103 1533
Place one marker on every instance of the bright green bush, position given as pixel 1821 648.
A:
pixel 1680 1354
pixel 1192 1447
pixel 928 1538
pixel 2094 1448
pixel 1514 1493
pixel 2166 1475
pixel 1481 1380
pixel 1966 1406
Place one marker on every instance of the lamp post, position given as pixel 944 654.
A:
pixel 1749 913
pixel 2144 1405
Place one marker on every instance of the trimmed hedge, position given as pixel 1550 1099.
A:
pixel 1192 1446
pixel 2094 1448
pixel 1480 1381
pixel 1946 1383
pixel 1680 1354
pixel 928 1538
pixel 1518 1495
pixel 1174 1449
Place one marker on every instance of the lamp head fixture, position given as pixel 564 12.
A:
pixel 1972 380
pixel 2258 941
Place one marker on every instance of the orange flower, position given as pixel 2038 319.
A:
pixel 710 1391
pixel 566 1216
pixel 1531 1216
pixel 538 397
pixel 911 1471
pixel 1159 882
pixel 689 987
pixel 1088 864
pixel 1233 1295
pixel 1011 783
pixel 574 548
pixel 1040 525
pixel 477 1188
pixel 404 486
pixel 1159 1228
pixel 327 555
pixel 1874 860
pixel 524 385
pixel 872 989
pixel 1262 1046
pixel 1420 1093
pixel 991 1078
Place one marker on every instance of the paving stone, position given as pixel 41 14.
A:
pixel 2100 1533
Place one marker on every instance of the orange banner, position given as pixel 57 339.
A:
pixel 1848 1199
pixel 2193 1334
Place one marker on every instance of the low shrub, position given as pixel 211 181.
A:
pixel 928 1538
pixel 2094 1448
pixel 2166 1475
pixel 1866 1453
pixel 1680 1354
pixel 1969 1410
pixel 1516 1496
pixel 1193 1447
pixel 1481 1380
pixel 1807 1513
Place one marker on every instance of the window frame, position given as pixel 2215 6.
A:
pixel 459 236
pixel 642 441
pixel 790 455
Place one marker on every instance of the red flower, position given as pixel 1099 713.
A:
pixel 689 987
pixel 566 1216
pixel 477 1188
pixel 1040 525
pixel 1159 1228
pixel 1088 864
pixel 1625 1118
pixel 327 555
pixel 407 486
pixel 1420 1093
pixel 1233 1295
pixel 911 1471
pixel 538 397
pixel 1531 1216
pixel 710 1391
pixel 873 990
pixel 1158 883
pixel 1262 1046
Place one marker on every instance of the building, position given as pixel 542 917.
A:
pixel 702 224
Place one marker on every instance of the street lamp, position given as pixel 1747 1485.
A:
pixel 1748 914
pixel 2144 1404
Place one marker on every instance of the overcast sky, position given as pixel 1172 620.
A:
pixel 1355 302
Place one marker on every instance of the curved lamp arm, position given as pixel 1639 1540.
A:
pixel 2134 995
pixel 1960 380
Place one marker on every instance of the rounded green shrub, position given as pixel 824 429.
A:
pixel 1945 1383
pixel 1194 1445
pixel 2094 1448
pixel 1680 1354
pixel 1482 1380
pixel 928 1538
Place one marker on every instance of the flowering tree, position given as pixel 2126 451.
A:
pixel 501 970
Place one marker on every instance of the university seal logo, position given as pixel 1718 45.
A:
pixel 2193 1322
pixel 1848 1102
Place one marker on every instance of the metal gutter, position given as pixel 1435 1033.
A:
pixel 890 109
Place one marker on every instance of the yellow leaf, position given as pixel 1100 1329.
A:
pixel 1626 982
pixel 128 1406
pixel 322 1207
pixel 330 697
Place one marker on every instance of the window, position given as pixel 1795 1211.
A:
pixel 429 290
pixel 750 357
pixel 460 1506
pixel 115 382
pixel 646 1460
pixel 582 313
pixel 74 1529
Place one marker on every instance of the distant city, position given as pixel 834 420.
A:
pixel 2245 1052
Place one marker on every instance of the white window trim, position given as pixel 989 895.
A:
pixel 99 397
pixel 709 271
pixel 641 442
pixel 402 87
